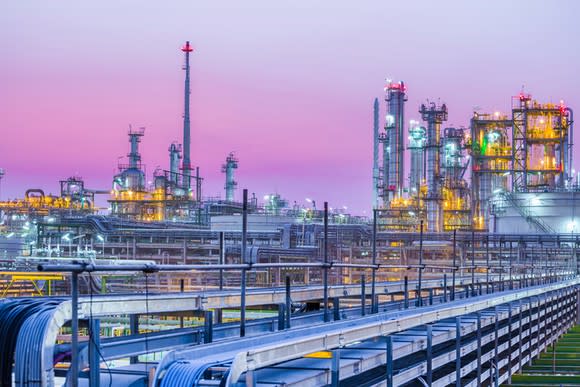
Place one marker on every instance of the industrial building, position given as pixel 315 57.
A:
pixel 505 172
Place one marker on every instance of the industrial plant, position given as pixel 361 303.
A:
pixel 465 274
pixel 503 173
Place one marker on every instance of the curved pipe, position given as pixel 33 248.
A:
pixel 34 190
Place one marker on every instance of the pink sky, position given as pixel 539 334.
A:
pixel 287 85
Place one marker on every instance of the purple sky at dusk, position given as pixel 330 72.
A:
pixel 287 85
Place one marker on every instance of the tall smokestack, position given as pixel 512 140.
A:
pixel 186 166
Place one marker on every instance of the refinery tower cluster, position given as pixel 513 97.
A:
pixel 505 172
pixel 501 172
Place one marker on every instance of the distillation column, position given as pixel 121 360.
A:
pixel 228 168
pixel 174 157
pixel 417 141
pixel 434 115
pixel 491 155
pixel 394 127
pixel 456 194
pixel 186 167
pixel 134 140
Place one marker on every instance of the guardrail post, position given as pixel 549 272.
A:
pixel 244 261
pixel 94 349
pixel 222 260
pixel 509 355
pixel 478 348
pixel 134 329
pixel 389 361
pixel 420 277
pixel 336 308
pixel 288 312
pixel 281 317
pixel 487 263
pixel 445 287
pixel 250 378
pixel 520 340
pixel 363 296
pixel 429 355
pixel 454 265
pixel 458 351
pixel 430 296
pixel 496 345
pixel 530 330
pixel 335 368
pixel 406 293
pixel 208 327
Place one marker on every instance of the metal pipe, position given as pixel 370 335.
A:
pixel 571 138
pixel 244 261
pixel 376 153
pixel 88 268
pixel 487 264
pixel 94 349
pixel 222 260
pixel 325 269
pixel 420 278
pixel 473 257
pixel 454 265
pixel 75 330
pixel 374 306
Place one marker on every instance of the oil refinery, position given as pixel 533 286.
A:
pixel 466 274
pixel 504 173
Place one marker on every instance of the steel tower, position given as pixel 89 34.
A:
pixel 394 127
pixel 174 157
pixel 417 140
pixel 186 166
pixel 376 177
pixel 228 169
pixel 434 115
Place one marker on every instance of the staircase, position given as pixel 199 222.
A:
pixel 525 213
